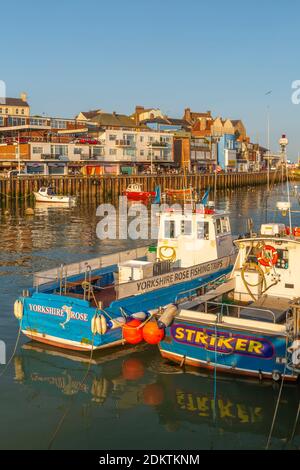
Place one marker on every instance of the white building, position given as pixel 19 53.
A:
pixel 141 146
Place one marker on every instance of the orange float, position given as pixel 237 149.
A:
pixel 131 333
pixel 153 394
pixel 152 334
pixel 132 369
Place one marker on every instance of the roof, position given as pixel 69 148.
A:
pixel 235 122
pixel 179 122
pixel 14 102
pixel 90 114
pixel 113 120
pixel 168 121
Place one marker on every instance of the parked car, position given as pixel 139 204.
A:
pixel 88 141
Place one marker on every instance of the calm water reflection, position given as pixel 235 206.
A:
pixel 130 398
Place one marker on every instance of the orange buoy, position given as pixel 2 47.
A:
pixel 132 334
pixel 153 394
pixel 152 334
pixel 132 369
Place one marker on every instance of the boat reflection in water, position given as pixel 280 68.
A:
pixel 193 404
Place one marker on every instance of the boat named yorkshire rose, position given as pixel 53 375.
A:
pixel 86 305
pixel 250 324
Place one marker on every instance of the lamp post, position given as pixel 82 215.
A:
pixel 215 139
pixel 18 155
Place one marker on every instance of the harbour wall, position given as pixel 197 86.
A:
pixel 99 187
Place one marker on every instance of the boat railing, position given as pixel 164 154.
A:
pixel 54 275
pixel 227 306
pixel 200 290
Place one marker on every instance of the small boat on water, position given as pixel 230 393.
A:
pixel 106 301
pixel 134 192
pixel 47 194
pixel 186 194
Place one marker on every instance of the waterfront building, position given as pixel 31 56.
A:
pixel 13 110
pixel 232 144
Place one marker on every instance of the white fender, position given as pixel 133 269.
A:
pixel 296 357
pixel 98 325
pixel 168 316
pixel 18 309
pixel 139 316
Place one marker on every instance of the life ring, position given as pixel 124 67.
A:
pixel 18 309
pixel 296 231
pixel 266 260
pixel 165 257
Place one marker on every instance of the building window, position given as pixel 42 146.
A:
pixel 58 124
pixel 14 121
pixel 1 121
pixel 129 152
pixel 141 153
pixel 38 150
pixel 6 111
pixel 17 111
pixel 38 122
pixel 59 150
pixel 97 151
pixel 141 138
pixel 77 150
pixel 112 151
pixel 112 137
pixel 22 111
pixel 0 110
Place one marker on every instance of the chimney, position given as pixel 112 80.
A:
pixel 23 96
pixel 138 111
pixel 187 114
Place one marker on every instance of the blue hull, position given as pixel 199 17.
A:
pixel 228 349
pixel 44 316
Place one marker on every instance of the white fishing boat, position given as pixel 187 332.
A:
pixel 47 194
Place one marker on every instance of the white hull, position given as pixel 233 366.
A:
pixel 54 199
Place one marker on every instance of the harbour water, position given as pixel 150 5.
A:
pixel 127 397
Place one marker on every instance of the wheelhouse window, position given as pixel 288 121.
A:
pixel 203 230
pixel 170 231
pixel 222 225
pixel 186 227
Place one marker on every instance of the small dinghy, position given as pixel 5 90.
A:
pixel 134 192
pixel 47 194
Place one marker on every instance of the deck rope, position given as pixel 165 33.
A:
pixel 91 290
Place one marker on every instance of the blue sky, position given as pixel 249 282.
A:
pixel 71 55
